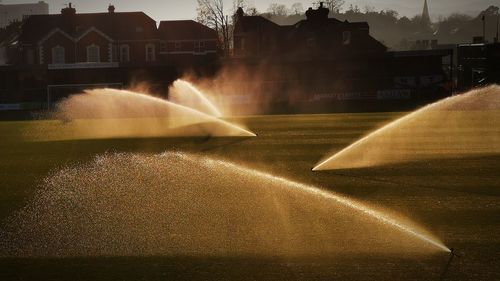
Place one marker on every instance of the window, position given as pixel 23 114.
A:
pixel 199 46
pixel 30 56
pixel 346 38
pixel 58 55
pixel 93 53
pixel 124 53
pixel 150 52
pixel 311 42
pixel 163 46
pixel 177 46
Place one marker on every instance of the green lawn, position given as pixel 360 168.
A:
pixel 456 199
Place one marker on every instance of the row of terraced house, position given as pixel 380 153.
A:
pixel 107 39
pixel 62 53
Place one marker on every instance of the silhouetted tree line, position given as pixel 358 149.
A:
pixel 399 32
pixel 395 31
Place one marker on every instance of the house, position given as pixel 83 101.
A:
pixel 324 64
pixel 256 36
pixel 94 40
pixel 53 56
pixel 187 42
pixel 316 37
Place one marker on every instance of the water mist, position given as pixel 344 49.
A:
pixel 459 126
pixel 112 113
pixel 174 204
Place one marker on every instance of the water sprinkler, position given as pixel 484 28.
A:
pixel 452 253
pixel 447 267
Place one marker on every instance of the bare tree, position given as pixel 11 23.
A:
pixel 369 9
pixel 247 7
pixel 333 5
pixel 212 14
pixel 252 11
pixel 297 8
pixel 277 9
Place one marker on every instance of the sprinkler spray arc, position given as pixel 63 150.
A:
pixel 337 198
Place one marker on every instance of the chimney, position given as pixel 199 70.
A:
pixel 319 14
pixel 111 9
pixel 68 10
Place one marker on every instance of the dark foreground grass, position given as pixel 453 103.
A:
pixel 456 199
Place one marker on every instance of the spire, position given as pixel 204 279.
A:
pixel 426 19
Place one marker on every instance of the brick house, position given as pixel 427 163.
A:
pixel 95 40
pixel 316 37
pixel 187 42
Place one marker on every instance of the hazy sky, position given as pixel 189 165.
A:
pixel 186 9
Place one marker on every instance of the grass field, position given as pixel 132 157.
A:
pixel 456 199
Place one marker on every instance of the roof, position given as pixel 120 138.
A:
pixel 118 26
pixel 330 22
pixel 185 30
pixel 420 53
pixel 248 23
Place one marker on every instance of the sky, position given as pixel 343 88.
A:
pixel 186 9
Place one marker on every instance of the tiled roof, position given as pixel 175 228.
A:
pixel 185 30
pixel 248 23
pixel 118 26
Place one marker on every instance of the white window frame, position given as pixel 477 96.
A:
pixel 58 55
pixel 122 57
pixel 98 53
pixel 199 46
pixel 153 58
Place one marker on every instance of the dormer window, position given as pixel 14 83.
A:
pixel 93 53
pixel 58 55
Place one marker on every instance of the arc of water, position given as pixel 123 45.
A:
pixel 331 196
pixel 189 110
pixel 373 134
pixel 212 118
pixel 213 110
